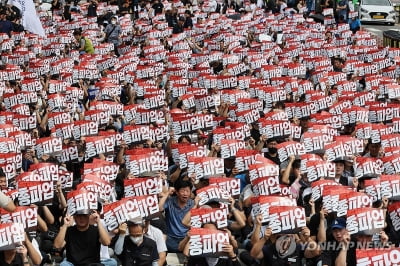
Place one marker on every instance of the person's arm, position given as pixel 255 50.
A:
pixel 256 250
pixel 82 42
pixel 288 169
pixel 321 236
pixel 257 230
pixel 33 253
pixel 186 218
pixel 61 197
pixel 240 217
pixel 164 196
pixel 7 203
pixel 162 259
pixel 119 245
pixel 175 175
pixel 261 143
pixel 341 259
pixel 104 238
pixel 42 225
pixel 312 249
pixel 48 216
pixel 23 252
pixel 59 241
pixel 184 242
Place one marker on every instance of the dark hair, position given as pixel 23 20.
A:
pixel 180 183
pixel 77 32
pixel 184 137
pixel 2 172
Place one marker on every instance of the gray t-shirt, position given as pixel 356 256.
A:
pixel 113 32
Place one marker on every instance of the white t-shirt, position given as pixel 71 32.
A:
pixel 4 200
pixel 155 234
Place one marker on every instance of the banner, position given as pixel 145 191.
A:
pixel 217 216
pixel 232 185
pixel 206 242
pixel 261 205
pixel 286 219
pixel 81 201
pixel 371 257
pixel 212 193
pixel 394 214
pixel 366 221
pixel 125 209
pixel 142 186
pixel 205 167
pixel 35 192
pixel 12 235
pixel 106 170
pixel 27 216
pixel 352 200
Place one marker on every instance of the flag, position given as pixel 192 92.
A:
pixel 30 19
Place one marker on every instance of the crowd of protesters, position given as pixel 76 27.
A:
pixel 193 77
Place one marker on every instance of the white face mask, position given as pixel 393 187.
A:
pixel 113 22
pixel 136 240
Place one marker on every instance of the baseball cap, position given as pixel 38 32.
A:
pixel 135 221
pixel 82 212
pixel 339 223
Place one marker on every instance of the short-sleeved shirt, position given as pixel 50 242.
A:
pixel 331 252
pixel 4 200
pixel 143 255
pixel 174 216
pixel 83 247
pixel 271 257
pixel 155 234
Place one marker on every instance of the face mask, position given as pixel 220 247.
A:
pixel 80 159
pixel 113 22
pixel 272 150
pixel 136 240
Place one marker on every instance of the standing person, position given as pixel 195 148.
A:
pixel 136 248
pixel 355 24
pixel 112 34
pixel 342 7
pixel 175 208
pixel 92 9
pixel 158 7
pixel 5 25
pixel 82 241
pixel 84 44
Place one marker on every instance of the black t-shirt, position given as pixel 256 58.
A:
pixel 271 257
pixel 142 255
pixel 158 7
pixel 274 159
pixel 17 261
pixel 83 247
pixel 331 252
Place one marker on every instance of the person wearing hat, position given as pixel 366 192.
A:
pixel 112 34
pixel 135 248
pixel 82 241
pixel 285 249
pixel 338 252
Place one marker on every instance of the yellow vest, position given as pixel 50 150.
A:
pixel 88 46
